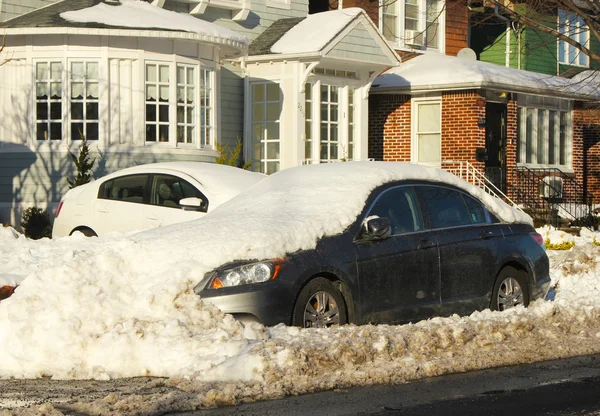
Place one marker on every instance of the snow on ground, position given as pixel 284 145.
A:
pixel 123 305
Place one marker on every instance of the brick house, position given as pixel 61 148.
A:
pixel 528 137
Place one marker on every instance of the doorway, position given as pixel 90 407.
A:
pixel 495 144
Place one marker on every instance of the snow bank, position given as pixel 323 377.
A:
pixel 139 14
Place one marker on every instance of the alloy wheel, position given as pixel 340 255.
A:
pixel 510 294
pixel 321 311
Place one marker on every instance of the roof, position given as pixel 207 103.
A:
pixel 262 44
pixel 125 14
pixel 437 72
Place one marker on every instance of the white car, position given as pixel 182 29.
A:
pixel 148 196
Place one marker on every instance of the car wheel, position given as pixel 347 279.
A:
pixel 320 305
pixel 511 289
pixel 88 232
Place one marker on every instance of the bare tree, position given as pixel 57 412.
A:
pixel 3 60
pixel 575 22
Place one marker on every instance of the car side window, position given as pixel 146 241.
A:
pixel 129 188
pixel 400 206
pixel 445 207
pixel 168 190
pixel 476 210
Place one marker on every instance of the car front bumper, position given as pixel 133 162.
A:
pixel 269 303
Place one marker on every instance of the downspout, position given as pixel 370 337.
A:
pixel 507 37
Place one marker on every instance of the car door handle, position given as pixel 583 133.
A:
pixel 426 244
pixel 103 210
pixel 152 218
pixel 486 234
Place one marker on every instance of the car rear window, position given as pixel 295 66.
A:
pixel 126 189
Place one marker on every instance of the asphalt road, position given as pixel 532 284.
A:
pixel 562 387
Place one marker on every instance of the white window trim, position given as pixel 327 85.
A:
pixel 568 166
pixel 414 120
pixel 279 4
pixel 343 118
pixel 567 60
pixel 400 27
pixel 264 161
pixel 241 8
pixel 69 98
pixel 172 143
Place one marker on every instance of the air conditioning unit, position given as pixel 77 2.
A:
pixel 411 37
pixel 551 187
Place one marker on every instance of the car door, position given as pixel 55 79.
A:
pixel 165 193
pixel 468 246
pixel 399 275
pixel 121 204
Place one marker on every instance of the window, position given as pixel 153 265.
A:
pixel 49 95
pixel 400 206
pixel 308 124
pixel 207 83
pixel 186 103
pixel 126 189
pixel 157 103
pixel 573 26
pixel 266 111
pixel 84 100
pixel 476 210
pixel 445 207
pixel 330 122
pixel 413 23
pixel 544 132
pixel 427 132
pixel 168 190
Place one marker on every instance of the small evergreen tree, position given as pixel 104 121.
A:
pixel 36 223
pixel 231 158
pixel 83 165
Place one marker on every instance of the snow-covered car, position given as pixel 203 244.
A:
pixel 371 242
pixel 148 196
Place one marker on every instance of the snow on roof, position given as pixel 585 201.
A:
pixel 139 14
pixel 433 71
pixel 316 31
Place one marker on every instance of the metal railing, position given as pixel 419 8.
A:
pixel 552 195
pixel 474 176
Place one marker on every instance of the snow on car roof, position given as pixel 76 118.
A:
pixel 124 305
pixel 220 182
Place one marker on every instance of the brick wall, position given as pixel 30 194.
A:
pixel 369 6
pixel 457 24
pixel 389 127
pixel 586 148
pixel 512 138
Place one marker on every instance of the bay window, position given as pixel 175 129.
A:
pixel 49 95
pixel 84 100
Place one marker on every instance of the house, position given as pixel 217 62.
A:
pixel 528 137
pixel 167 80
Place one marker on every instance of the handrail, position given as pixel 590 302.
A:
pixel 474 176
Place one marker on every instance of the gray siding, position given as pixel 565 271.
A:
pixel 14 8
pixel 359 45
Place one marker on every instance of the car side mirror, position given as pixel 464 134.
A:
pixel 377 228
pixel 192 204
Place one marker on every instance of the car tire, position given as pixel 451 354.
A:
pixel 320 305
pixel 88 232
pixel 511 289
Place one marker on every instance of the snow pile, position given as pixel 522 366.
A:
pixel 316 31
pixel 140 14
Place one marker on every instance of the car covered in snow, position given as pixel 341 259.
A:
pixel 374 242
pixel 148 196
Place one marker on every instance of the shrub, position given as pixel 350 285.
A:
pixel 36 223
pixel 231 158
pixel 565 245
pixel 83 165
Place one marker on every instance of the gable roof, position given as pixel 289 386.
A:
pixel 438 72
pixel 263 43
pixel 124 14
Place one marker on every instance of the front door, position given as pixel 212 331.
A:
pixel 495 134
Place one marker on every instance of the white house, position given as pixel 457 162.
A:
pixel 167 80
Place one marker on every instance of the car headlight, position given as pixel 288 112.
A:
pixel 246 274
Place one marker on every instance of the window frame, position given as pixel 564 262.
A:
pixel 581 29
pixel 263 161
pixel 400 41
pixel 84 100
pixel 63 121
pixel 414 128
